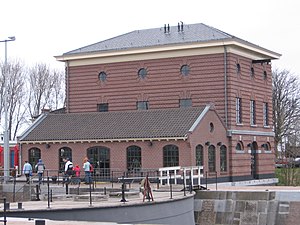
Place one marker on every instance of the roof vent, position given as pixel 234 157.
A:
pixel 180 27
pixel 167 29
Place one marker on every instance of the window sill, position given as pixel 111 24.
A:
pixel 239 152
pixel 253 125
pixel 266 126
pixel 240 124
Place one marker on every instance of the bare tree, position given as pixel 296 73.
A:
pixel 41 82
pixel 286 105
pixel 15 75
pixel 57 99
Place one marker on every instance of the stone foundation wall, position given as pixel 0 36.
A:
pixel 244 208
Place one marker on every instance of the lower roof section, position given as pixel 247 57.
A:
pixel 140 125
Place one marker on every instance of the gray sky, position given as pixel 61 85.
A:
pixel 45 28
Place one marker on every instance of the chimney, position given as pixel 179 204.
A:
pixel 178 27
pixel 165 28
pixel 181 26
pixel 45 111
pixel 168 28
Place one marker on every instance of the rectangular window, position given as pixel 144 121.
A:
pixel 185 103
pixel 252 112
pixel 265 114
pixel 238 110
pixel 103 107
pixel 142 105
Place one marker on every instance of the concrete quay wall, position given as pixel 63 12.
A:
pixel 246 207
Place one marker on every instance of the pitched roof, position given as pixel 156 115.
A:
pixel 156 37
pixel 110 126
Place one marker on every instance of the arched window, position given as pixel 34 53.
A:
pixel 34 154
pixel 99 157
pixel 239 147
pixel 211 158
pixel 134 158
pixel 223 158
pixel 170 156
pixel 199 155
pixel 63 153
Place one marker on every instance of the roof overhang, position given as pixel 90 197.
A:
pixel 234 45
pixel 105 140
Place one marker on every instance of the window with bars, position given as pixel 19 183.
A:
pixel 170 156
pixel 252 113
pixel 134 158
pixel 142 105
pixel 185 103
pixel 34 154
pixel 199 155
pixel 265 114
pixel 223 158
pixel 103 107
pixel 63 153
pixel 211 158
pixel 238 110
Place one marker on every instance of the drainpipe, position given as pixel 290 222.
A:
pixel 225 86
pixel 67 85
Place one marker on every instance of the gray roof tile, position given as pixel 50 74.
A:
pixel 156 37
pixel 114 125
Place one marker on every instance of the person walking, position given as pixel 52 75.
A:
pixel 27 171
pixel 69 172
pixel 40 167
pixel 87 170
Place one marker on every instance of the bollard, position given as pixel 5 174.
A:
pixel 7 205
pixel 123 190
pixel 19 205
pixel 104 190
pixel 37 192
pixel 67 188
pixel 40 222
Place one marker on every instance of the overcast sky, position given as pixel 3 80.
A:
pixel 46 28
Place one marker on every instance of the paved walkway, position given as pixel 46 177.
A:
pixel 161 194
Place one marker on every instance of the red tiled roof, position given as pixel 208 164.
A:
pixel 143 124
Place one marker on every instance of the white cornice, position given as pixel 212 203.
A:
pixel 168 51
pixel 105 140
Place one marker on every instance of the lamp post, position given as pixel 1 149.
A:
pixel 5 95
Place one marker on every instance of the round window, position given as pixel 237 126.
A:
pixel 102 76
pixel 185 70
pixel 142 73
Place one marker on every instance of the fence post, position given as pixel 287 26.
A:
pixel 123 190
pixel 206 180
pixel 171 191
pixel 48 187
pixel 184 184
pixel 216 181
pixel 4 211
pixel 37 187
pixel 90 189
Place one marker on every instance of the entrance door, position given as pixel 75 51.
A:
pixel 100 159
pixel 254 160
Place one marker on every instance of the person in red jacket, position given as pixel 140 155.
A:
pixel 77 173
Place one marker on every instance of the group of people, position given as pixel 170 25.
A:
pixel 39 167
pixel 70 171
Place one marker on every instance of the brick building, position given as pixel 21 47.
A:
pixel 177 95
